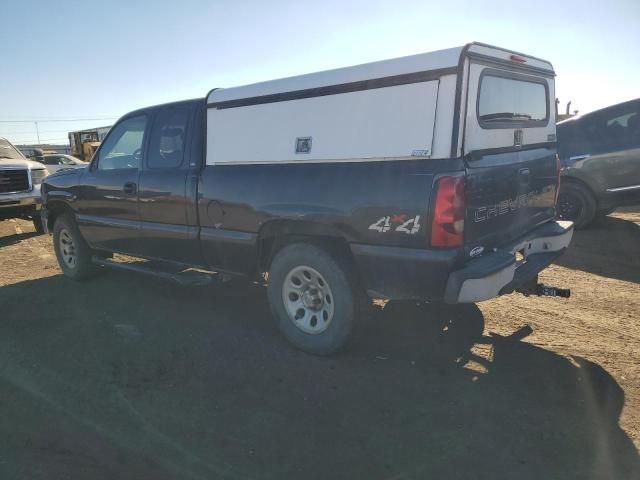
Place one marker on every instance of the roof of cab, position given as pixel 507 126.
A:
pixel 139 111
pixel 440 62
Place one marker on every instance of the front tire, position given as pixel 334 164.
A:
pixel 313 298
pixel 576 203
pixel 72 251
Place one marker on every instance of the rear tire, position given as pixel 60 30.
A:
pixel 313 297
pixel 72 251
pixel 576 203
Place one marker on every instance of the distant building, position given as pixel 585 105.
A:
pixel 28 150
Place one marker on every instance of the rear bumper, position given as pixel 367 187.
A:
pixel 401 273
pixel 500 272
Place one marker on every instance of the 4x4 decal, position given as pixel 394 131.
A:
pixel 410 226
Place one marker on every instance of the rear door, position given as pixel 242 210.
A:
pixel 509 150
pixel 167 188
pixel 613 154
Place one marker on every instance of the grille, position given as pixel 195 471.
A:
pixel 14 181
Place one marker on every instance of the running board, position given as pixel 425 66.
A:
pixel 184 278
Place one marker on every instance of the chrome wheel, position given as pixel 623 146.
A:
pixel 308 299
pixel 68 250
pixel 569 206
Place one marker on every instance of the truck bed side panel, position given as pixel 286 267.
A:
pixel 376 203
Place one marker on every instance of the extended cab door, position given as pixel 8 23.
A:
pixel 167 193
pixel 510 151
pixel 107 203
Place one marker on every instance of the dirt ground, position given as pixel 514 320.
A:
pixel 129 377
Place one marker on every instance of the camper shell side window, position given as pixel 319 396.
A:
pixel 511 100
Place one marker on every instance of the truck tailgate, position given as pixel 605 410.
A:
pixel 508 194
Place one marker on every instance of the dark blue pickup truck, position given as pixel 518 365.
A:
pixel 430 177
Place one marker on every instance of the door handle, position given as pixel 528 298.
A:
pixel 579 157
pixel 130 188
pixel 524 176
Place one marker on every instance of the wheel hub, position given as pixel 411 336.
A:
pixel 569 207
pixel 312 298
pixel 308 299
pixel 68 248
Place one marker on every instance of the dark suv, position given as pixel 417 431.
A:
pixel 600 155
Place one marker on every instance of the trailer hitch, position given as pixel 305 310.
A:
pixel 542 290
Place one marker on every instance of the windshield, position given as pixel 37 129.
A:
pixel 9 151
pixel 510 100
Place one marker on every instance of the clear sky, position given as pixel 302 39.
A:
pixel 67 59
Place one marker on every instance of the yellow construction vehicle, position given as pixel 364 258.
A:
pixel 84 143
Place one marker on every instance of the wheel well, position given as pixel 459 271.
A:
pixel 582 183
pixel 278 234
pixel 55 209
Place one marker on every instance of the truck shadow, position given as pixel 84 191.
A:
pixel 128 377
pixel 609 248
pixel 14 238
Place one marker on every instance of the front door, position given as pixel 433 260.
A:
pixel 167 192
pixel 108 210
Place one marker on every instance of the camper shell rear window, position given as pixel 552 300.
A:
pixel 510 100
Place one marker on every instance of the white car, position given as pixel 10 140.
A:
pixel 55 162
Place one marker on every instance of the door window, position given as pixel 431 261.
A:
pixel 615 130
pixel 167 143
pixel 623 131
pixel 123 148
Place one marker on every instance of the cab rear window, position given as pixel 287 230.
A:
pixel 507 101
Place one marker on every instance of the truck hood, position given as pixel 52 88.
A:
pixel 64 172
pixel 71 170
pixel 16 163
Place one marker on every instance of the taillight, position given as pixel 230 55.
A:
pixel 447 226
pixel 558 168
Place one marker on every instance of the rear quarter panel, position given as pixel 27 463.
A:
pixel 350 199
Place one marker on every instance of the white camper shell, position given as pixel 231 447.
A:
pixel 437 105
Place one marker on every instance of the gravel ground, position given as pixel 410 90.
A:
pixel 129 377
